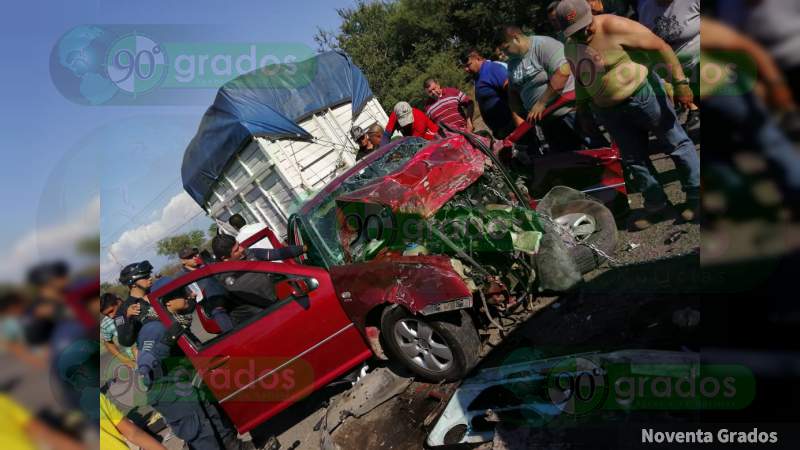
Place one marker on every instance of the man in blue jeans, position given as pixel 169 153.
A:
pixel 209 293
pixel 628 99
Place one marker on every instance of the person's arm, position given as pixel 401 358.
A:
pixel 137 436
pixel 554 87
pixel 23 353
pixel 467 107
pixel 430 128
pixel 128 326
pixel 43 434
pixel 278 254
pixel 114 350
pixel 634 35
pixel 515 104
pixel 717 36
pixel 389 129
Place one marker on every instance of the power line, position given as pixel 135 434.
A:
pixel 166 234
pixel 139 214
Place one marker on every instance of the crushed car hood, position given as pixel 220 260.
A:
pixel 427 181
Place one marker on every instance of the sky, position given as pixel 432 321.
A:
pixel 74 170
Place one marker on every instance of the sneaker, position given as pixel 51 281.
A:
pixel 650 216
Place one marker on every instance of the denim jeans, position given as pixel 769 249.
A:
pixel 220 315
pixel 630 122
pixel 745 116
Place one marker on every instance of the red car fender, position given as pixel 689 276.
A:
pixel 413 282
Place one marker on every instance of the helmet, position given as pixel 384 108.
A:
pixel 135 271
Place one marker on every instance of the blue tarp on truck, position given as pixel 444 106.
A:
pixel 268 102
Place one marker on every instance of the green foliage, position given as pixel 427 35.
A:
pixel 170 270
pixel 89 246
pixel 399 44
pixel 115 288
pixel 170 246
pixel 212 231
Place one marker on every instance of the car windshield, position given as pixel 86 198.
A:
pixel 322 219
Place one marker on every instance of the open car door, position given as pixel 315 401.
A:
pixel 281 354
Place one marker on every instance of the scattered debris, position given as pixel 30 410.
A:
pixel 368 392
pixel 499 396
pixel 632 246
pixel 674 237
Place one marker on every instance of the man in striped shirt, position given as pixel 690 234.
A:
pixel 448 105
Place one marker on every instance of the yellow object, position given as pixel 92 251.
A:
pixel 110 416
pixel 15 420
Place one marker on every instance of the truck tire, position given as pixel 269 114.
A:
pixel 591 223
pixel 438 348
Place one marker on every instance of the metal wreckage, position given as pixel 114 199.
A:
pixel 423 228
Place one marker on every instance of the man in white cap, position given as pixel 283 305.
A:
pixel 411 122
pixel 604 53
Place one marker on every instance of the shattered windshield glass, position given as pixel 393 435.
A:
pixel 322 219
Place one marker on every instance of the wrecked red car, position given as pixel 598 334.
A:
pixel 411 252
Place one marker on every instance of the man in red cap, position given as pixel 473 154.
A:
pixel 411 121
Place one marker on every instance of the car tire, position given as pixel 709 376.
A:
pixel 407 341
pixel 604 236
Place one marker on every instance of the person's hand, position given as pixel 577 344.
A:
pixel 780 96
pixel 684 95
pixel 133 310
pixel 305 248
pixel 536 112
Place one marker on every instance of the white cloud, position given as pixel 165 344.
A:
pixel 57 241
pixel 137 243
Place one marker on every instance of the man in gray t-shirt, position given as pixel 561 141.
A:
pixel 538 74
pixel 677 22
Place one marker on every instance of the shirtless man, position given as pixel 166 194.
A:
pixel 630 101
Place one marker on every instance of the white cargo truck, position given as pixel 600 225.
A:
pixel 266 145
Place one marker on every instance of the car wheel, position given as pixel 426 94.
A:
pixel 438 348
pixel 589 223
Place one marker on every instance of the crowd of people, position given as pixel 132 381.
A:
pixel 599 75
pixel 136 338
pixel 625 73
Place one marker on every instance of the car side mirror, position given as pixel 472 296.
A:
pixel 295 288
pixel 302 286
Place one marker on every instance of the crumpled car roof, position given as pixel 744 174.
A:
pixel 428 180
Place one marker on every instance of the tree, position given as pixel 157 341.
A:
pixel 170 246
pixel 89 246
pixel 399 44
pixel 114 288
pixel 213 229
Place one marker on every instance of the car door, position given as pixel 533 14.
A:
pixel 290 349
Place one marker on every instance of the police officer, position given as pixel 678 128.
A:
pixel 250 292
pixel 167 375
pixel 136 309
